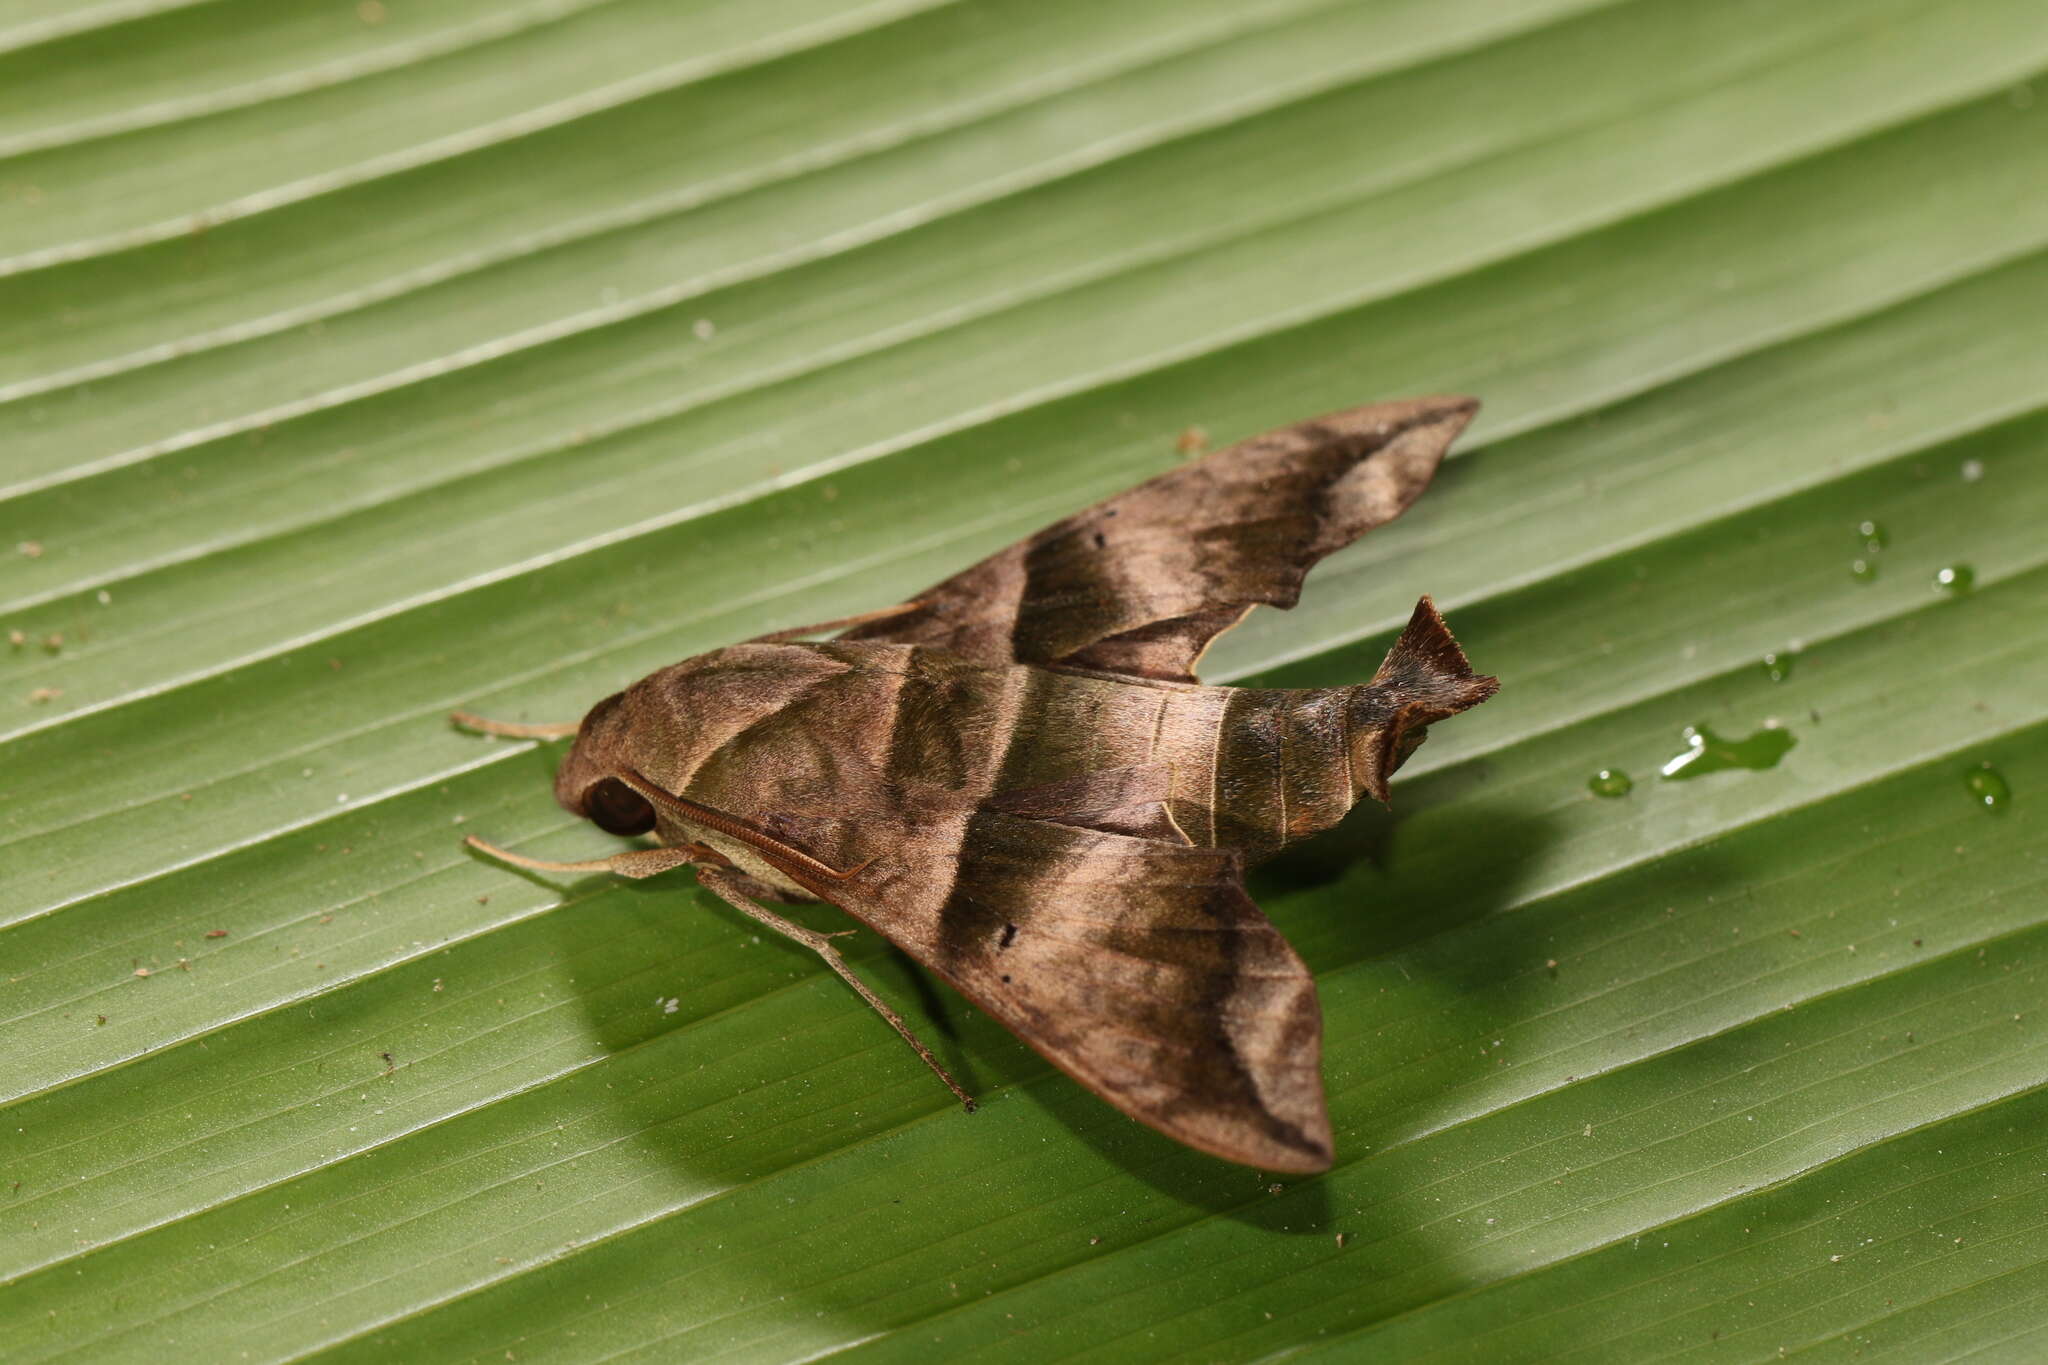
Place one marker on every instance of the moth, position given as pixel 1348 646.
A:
pixel 1017 778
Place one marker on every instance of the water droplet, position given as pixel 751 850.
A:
pixel 1955 580
pixel 1610 782
pixel 1706 752
pixel 1875 537
pixel 1989 786
pixel 1777 667
pixel 1863 570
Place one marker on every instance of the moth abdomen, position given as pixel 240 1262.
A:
pixel 1425 678
pixel 1291 764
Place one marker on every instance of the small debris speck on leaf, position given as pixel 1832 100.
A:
pixel 216 933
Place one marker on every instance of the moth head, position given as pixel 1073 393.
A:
pixel 589 785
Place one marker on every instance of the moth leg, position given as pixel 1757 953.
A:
pixel 722 884
pixel 639 862
pixel 754 888
pixel 746 883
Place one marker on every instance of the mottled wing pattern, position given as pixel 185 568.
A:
pixel 1139 966
pixel 1141 583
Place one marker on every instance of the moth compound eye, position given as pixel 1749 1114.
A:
pixel 616 808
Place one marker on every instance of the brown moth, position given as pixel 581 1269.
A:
pixel 1018 780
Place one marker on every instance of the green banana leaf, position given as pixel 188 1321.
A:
pixel 363 360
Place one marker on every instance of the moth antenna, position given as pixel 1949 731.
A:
pixel 777 637
pixel 712 818
pixel 639 862
pixel 720 885
pixel 513 729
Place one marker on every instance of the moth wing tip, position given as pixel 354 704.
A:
pixel 1312 1155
